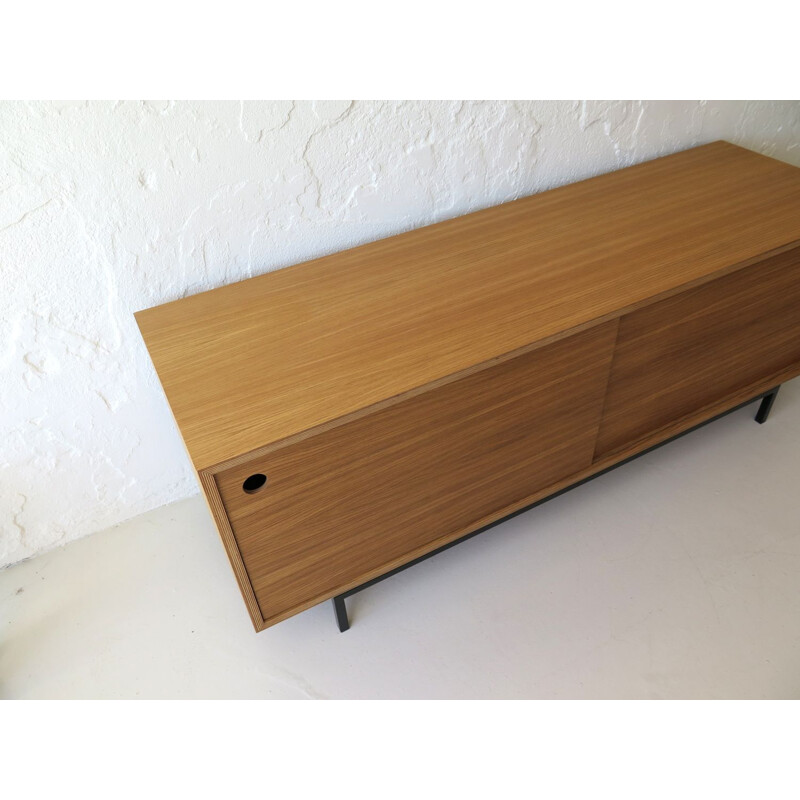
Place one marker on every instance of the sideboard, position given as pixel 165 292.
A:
pixel 353 414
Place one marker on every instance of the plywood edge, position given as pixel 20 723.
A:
pixel 667 432
pixel 215 506
pixel 236 461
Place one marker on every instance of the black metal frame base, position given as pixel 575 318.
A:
pixel 766 405
pixel 340 609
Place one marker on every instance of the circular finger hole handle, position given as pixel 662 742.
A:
pixel 253 483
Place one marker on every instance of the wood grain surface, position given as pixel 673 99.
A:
pixel 402 394
pixel 258 362
pixel 338 506
pixel 701 346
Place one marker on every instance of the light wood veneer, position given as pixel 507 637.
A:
pixel 700 346
pixel 415 474
pixel 403 393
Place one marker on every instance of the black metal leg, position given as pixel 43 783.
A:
pixel 766 406
pixel 340 609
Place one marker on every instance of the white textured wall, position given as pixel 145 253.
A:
pixel 107 208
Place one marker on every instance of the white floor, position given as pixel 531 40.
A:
pixel 675 576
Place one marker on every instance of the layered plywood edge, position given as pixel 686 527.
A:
pixel 278 370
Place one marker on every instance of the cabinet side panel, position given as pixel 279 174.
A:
pixel 211 494
pixel 699 347
pixel 342 504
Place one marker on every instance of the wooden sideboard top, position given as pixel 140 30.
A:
pixel 259 361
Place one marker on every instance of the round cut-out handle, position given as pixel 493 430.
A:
pixel 253 483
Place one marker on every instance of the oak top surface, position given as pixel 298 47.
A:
pixel 258 361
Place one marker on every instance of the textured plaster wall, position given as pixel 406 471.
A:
pixel 110 207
